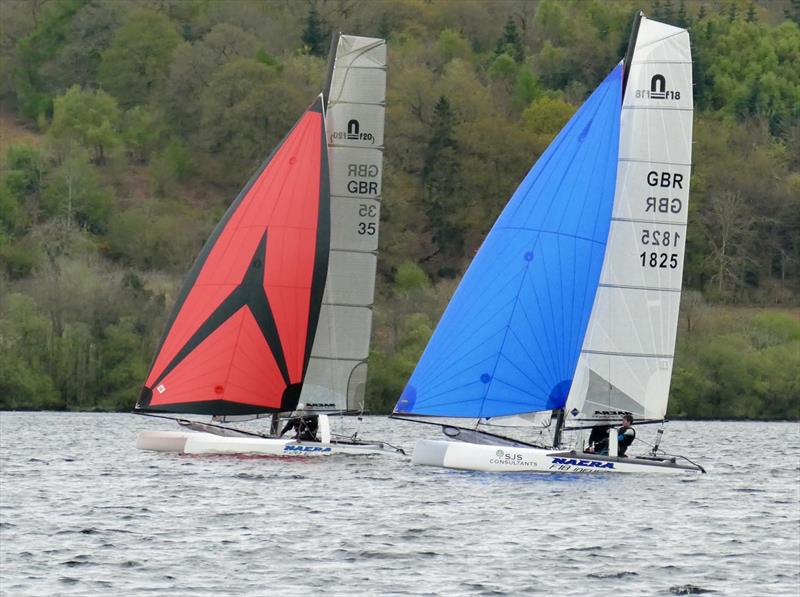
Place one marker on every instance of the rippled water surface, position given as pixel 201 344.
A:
pixel 82 512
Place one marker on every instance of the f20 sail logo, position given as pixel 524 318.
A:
pixel 353 132
pixel 658 90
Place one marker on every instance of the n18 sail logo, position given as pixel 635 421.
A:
pixel 658 90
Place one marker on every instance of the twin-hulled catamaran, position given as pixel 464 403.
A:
pixel 567 316
pixel 275 315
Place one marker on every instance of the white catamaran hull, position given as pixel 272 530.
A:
pixel 190 442
pixel 489 458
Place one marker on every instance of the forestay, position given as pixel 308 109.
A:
pixel 626 360
pixel 509 340
pixel 337 371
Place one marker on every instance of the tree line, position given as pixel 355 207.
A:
pixel 128 126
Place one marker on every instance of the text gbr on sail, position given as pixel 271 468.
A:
pixel 664 179
pixel 362 187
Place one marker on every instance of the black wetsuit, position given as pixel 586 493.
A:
pixel 625 438
pixel 306 428
pixel 599 437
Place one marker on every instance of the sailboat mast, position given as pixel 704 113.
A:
pixel 559 427
pixel 627 63
pixel 331 62
pixel 637 19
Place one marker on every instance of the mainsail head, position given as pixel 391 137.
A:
pixel 239 338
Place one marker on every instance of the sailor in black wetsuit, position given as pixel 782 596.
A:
pixel 625 436
pixel 306 427
pixel 598 438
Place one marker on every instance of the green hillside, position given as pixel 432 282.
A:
pixel 127 127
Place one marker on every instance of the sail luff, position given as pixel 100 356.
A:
pixel 628 61
pixel 326 92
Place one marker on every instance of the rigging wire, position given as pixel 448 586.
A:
pixel 656 451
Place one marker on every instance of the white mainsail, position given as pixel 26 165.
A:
pixel 627 355
pixel 337 370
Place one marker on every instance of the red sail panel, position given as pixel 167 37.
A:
pixel 260 270
pixel 228 365
pixel 290 302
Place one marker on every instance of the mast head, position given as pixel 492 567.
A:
pixel 637 19
pixel 331 61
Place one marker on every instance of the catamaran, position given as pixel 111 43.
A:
pixel 566 318
pixel 275 316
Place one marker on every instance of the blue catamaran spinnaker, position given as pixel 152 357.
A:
pixel 511 336
pixel 570 306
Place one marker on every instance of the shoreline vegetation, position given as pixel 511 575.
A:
pixel 127 127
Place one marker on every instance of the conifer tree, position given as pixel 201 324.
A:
pixel 751 13
pixel 511 43
pixel 436 174
pixel 314 33
pixel 440 175
pixel 657 10
pixel 384 27
pixel 792 12
pixel 668 11
pixel 682 19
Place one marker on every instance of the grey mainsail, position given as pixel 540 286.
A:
pixel 337 371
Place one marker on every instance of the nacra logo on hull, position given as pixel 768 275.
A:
pixel 589 463
pixel 294 448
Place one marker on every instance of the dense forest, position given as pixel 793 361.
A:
pixel 128 127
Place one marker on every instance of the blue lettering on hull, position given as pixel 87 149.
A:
pixel 586 463
pixel 298 449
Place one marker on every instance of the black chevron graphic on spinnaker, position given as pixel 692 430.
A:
pixel 250 293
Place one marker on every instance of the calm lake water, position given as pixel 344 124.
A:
pixel 82 512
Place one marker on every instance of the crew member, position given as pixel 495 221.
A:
pixel 305 426
pixel 625 436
